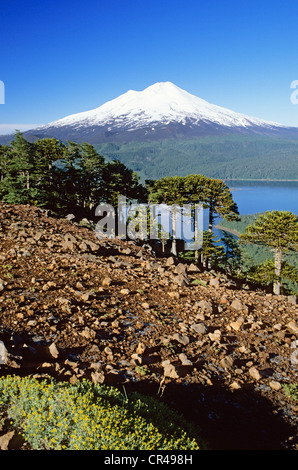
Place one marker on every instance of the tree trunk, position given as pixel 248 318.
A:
pixel 174 242
pixel 211 218
pixel 210 230
pixel 204 261
pixel 277 262
pixel 196 236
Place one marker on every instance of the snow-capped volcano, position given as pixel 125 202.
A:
pixel 161 111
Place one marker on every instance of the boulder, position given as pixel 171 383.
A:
pixel 69 242
pixel 180 268
pixel 170 261
pixel 239 306
pixel 274 385
pixel 206 306
pixel 199 328
pixel 2 285
pixel 97 377
pixel 192 268
pixel 3 353
pixel 170 370
pixel 184 360
pixel 5 440
pixel 215 336
pixel 53 351
pixel 141 348
pixel 107 281
pixel 227 362
pixel 293 327
pixel 124 291
pixel 237 325
pixel 181 339
pixel 255 374
pixel 181 280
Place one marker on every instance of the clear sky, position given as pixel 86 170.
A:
pixel 64 57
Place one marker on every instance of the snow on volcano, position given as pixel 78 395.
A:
pixel 163 103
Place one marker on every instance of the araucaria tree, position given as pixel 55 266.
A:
pixel 277 230
pixel 217 197
pixel 17 173
pixel 171 191
pixel 63 177
pixel 213 194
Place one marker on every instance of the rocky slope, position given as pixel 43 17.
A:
pixel 74 307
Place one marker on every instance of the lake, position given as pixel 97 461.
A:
pixel 261 196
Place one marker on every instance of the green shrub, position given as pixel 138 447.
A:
pixel 291 391
pixel 57 415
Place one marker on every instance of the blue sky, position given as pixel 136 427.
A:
pixel 60 58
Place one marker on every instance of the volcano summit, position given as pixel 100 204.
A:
pixel 161 111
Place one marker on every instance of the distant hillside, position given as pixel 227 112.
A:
pixel 233 157
pixel 225 157
pixel 239 226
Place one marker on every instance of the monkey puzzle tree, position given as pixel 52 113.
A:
pixel 91 167
pixel 69 180
pixel 170 191
pixel 47 152
pixel 264 273
pixel 232 255
pixel 119 181
pixel 213 194
pixel 4 162
pixel 18 183
pixel 65 178
pixel 277 230
pixel 212 253
pixel 217 198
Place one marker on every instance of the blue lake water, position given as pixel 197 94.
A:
pixel 261 196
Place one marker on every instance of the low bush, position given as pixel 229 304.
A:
pixel 84 416
pixel 291 391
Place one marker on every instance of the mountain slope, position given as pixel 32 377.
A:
pixel 76 308
pixel 159 112
pixel 164 130
pixel 226 157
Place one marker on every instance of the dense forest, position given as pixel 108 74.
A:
pixel 230 157
pixel 64 178
pixel 74 178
